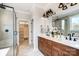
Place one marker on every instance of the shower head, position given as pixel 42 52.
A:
pixel 2 6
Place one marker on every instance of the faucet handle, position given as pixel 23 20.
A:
pixel 73 34
pixel 69 34
pixel 74 39
pixel 66 38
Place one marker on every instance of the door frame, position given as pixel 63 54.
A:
pixel 18 24
pixel 19 27
pixel 30 25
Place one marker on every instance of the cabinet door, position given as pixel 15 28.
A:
pixel 41 45
pixel 45 46
pixel 49 48
pixel 55 49
pixel 63 50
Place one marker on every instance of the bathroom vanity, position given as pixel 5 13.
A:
pixel 50 46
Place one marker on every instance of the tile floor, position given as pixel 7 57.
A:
pixel 25 50
pixel 4 51
pixel 10 52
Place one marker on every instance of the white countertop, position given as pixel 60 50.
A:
pixel 62 40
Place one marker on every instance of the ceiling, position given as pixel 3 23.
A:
pixel 30 7
pixel 38 9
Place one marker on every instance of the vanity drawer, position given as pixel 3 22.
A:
pixel 45 46
pixel 63 49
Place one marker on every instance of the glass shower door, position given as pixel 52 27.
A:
pixel 6 30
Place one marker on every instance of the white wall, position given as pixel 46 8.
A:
pixel 37 29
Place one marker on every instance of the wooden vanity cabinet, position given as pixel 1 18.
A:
pixel 51 48
pixel 45 46
pixel 63 50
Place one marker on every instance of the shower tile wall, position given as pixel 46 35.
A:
pixel 0 26
pixel 6 23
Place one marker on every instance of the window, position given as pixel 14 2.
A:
pixel 74 23
pixel 63 24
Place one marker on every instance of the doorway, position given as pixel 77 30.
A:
pixel 23 35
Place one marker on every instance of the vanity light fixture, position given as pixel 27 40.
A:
pixel 60 5
pixel 48 13
pixel 72 4
pixel 44 15
pixel 64 5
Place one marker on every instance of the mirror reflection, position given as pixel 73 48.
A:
pixel 70 25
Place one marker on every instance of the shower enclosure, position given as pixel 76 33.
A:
pixel 8 35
